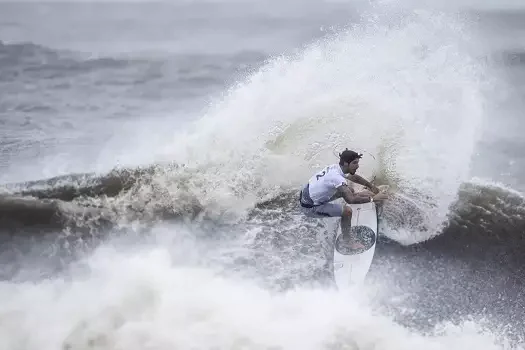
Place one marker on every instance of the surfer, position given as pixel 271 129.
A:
pixel 330 184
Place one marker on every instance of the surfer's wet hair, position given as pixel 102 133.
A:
pixel 348 156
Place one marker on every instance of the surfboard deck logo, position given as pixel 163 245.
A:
pixel 357 241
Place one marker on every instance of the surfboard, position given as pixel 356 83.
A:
pixel 351 265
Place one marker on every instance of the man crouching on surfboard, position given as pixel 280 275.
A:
pixel 330 184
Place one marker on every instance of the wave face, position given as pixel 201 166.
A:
pixel 275 257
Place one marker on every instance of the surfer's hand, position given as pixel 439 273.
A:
pixel 380 196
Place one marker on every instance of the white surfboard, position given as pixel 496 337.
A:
pixel 350 268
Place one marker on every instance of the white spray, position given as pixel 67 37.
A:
pixel 406 91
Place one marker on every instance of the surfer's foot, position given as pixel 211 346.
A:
pixel 357 245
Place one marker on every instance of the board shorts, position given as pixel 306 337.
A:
pixel 318 211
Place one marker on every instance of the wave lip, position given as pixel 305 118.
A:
pixel 17 213
pixel 29 211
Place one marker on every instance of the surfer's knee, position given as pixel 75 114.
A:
pixel 347 211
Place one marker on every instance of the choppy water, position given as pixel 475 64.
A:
pixel 151 156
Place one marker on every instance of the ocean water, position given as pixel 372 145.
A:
pixel 151 154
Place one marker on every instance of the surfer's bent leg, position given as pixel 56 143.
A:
pixel 346 219
pixel 346 225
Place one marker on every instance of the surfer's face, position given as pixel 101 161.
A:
pixel 352 167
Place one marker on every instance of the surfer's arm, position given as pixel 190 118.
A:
pixel 362 181
pixel 350 197
pixel 365 193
